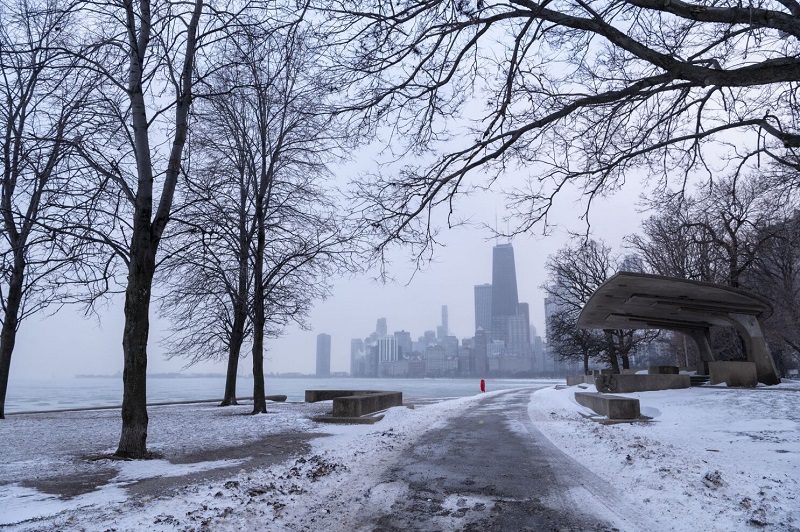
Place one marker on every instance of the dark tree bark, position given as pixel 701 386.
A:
pixel 259 315
pixel 611 351
pixel 133 440
pixel 239 303
pixel 147 229
pixel 8 336
pixel 232 371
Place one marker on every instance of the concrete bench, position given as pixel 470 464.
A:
pixel 611 406
pixel 356 403
pixel 640 383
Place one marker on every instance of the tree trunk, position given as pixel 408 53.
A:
pixel 586 362
pixel 611 349
pixel 259 317
pixel 624 349
pixel 133 440
pixel 259 391
pixel 8 336
pixel 234 349
pixel 239 302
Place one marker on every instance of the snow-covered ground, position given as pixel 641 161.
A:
pixel 711 459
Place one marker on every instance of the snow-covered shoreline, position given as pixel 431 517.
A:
pixel 710 459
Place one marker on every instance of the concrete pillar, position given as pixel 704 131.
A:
pixel 757 349
pixel 701 338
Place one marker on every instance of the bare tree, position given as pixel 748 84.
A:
pixel 570 343
pixel 293 149
pixel 271 233
pixel 147 54
pixel 669 245
pixel 776 275
pixel 574 274
pixel 43 99
pixel 568 93
pixel 733 216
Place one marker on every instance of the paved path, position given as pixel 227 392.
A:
pixel 492 470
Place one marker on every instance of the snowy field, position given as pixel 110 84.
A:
pixel 711 459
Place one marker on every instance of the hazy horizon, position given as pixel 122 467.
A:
pixel 69 344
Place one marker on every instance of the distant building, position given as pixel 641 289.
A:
pixel 358 360
pixel 632 263
pixel 429 338
pixel 404 344
pixel 371 365
pixel 523 309
pixel 480 350
pixel 438 364
pixel 450 344
pixel 483 307
pixel 387 349
pixel 537 358
pixel 466 362
pixel 323 355
pixel 510 321
pixel 381 328
pixel 416 367
pixel 517 331
pixel 445 322
pixel 496 348
pixel 505 301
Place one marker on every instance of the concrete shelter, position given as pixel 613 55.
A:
pixel 631 300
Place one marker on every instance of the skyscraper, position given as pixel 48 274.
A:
pixel 445 325
pixel 483 307
pixel 381 328
pixel 387 349
pixel 404 344
pixel 357 358
pixel 323 355
pixel 505 302
pixel 481 349
pixel 632 263
pixel 523 309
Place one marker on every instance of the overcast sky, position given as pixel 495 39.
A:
pixel 67 343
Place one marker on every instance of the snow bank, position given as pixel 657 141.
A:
pixel 711 459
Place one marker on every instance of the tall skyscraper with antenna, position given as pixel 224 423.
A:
pixel 510 318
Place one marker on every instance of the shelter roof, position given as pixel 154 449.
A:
pixel 631 300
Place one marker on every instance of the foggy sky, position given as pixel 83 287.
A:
pixel 67 343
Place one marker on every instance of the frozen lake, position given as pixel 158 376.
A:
pixel 26 395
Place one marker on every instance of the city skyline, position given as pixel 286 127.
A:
pixel 355 303
pixel 510 349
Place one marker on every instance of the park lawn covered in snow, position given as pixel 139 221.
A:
pixel 711 459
